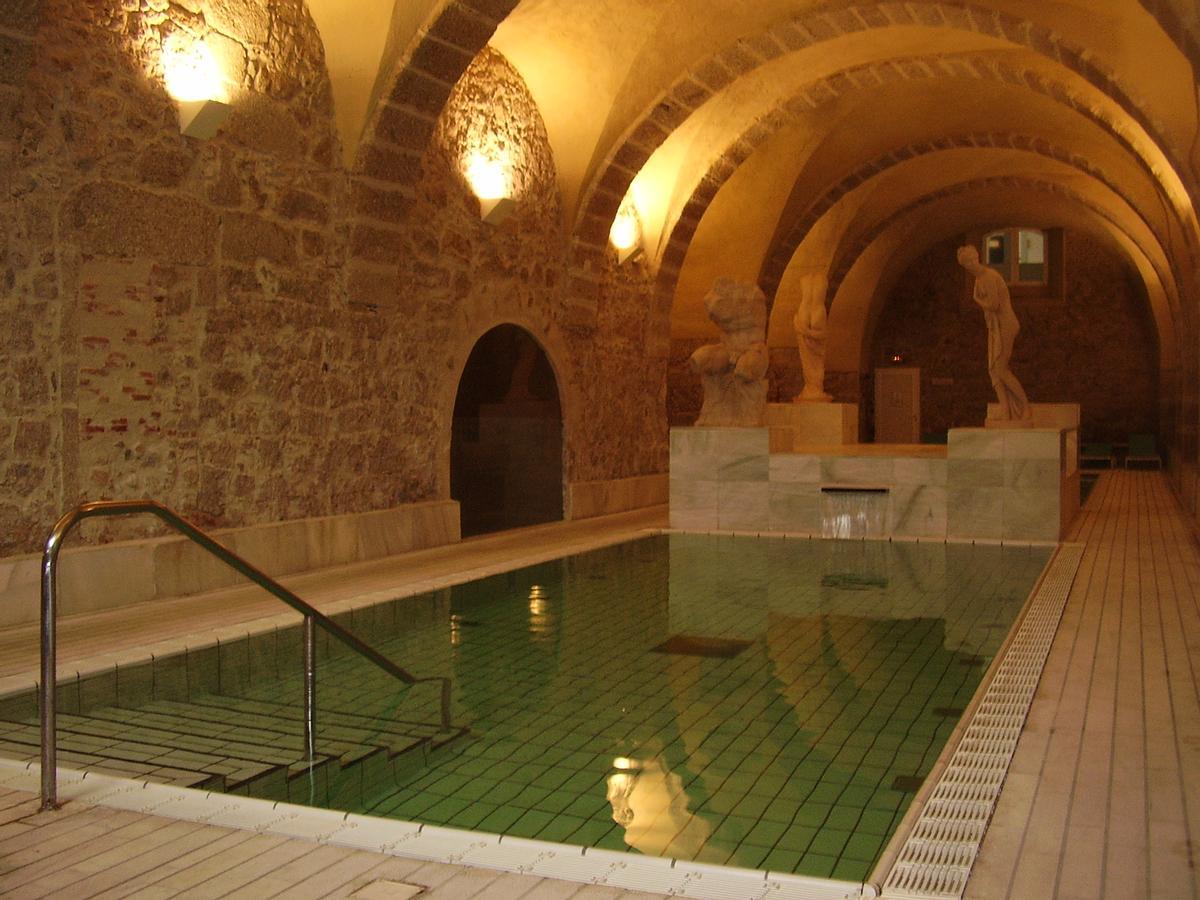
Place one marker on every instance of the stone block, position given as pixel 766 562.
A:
pixel 373 286
pixel 109 219
pixel 917 470
pixel 1032 473
pixel 20 15
pixel 785 467
pixel 1048 415
pixel 820 424
pixel 693 504
pixel 1033 443
pixel 246 238
pixel 15 57
pixel 384 204
pixel 975 443
pixel 1031 514
pixel 743 506
pixel 968 473
pixel 975 512
pixel 794 507
pixel 865 470
pixel 918 510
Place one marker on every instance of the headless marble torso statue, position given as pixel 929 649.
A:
pixel 809 323
pixel 732 372
pixel 991 294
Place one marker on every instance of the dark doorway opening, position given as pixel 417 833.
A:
pixel 506 443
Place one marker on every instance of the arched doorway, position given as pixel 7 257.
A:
pixel 507 438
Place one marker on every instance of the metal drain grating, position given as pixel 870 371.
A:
pixel 937 856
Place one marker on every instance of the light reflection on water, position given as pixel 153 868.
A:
pixel 753 702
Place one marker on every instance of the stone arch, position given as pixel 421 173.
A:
pixel 1165 310
pixel 780 255
pixel 605 192
pixel 830 89
pixel 552 343
pixel 399 127
pixel 506 443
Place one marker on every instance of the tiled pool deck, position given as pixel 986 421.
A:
pixel 1100 802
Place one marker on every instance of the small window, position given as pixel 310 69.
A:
pixel 1019 254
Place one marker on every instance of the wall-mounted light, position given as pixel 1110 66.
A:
pixel 195 82
pixel 488 176
pixel 626 232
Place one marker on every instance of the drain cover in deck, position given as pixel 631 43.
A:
pixel 695 645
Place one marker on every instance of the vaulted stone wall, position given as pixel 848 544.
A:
pixel 179 318
pixel 1095 346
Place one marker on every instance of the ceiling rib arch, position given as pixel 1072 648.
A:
pixel 1167 318
pixel 606 191
pixel 780 255
pixel 879 266
pixel 825 91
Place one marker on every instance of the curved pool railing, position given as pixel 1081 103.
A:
pixel 47 696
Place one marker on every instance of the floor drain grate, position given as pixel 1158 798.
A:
pixel 937 856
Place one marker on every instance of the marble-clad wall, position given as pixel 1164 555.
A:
pixel 719 478
pixel 990 485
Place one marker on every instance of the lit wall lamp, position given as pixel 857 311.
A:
pixel 489 180
pixel 626 233
pixel 194 82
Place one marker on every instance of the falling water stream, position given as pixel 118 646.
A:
pixel 853 513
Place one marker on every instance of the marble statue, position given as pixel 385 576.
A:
pixel 991 293
pixel 733 372
pixel 810 335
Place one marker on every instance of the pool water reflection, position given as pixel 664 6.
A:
pixel 758 702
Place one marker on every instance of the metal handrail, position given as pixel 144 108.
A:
pixel 312 617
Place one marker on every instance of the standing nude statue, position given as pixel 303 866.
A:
pixel 991 293
pixel 809 323
pixel 732 372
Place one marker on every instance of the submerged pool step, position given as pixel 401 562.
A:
pixel 237 745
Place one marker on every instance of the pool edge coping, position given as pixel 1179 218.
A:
pixel 431 843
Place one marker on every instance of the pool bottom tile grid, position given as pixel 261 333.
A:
pixel 763 703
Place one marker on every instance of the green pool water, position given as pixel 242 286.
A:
pixel 766 703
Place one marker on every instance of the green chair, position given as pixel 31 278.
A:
pixel 1143 450
pixel 1097 455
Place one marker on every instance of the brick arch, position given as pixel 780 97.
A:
pixel 387 164
pixel 604 194
pixel 829 89
pixel 780 255
pixel 848 255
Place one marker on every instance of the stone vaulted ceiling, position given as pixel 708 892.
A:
pixel 768 139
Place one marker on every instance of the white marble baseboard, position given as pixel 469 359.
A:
pixel 94 578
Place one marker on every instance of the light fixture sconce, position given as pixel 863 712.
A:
pixel 495 210
pixel 195 82
pixel 488 176
pixel 202 118
pixel 626 233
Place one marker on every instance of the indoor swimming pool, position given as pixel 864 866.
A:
pixel 765 703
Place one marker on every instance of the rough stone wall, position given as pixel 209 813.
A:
pixel 459 276
pixel 179 318
pixel 1096 346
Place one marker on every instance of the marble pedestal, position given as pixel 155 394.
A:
pixel 1011 484
pixel 811 423
pixel 1046 415
pixel 1015 485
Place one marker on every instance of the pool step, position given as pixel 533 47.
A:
pixel 239 746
